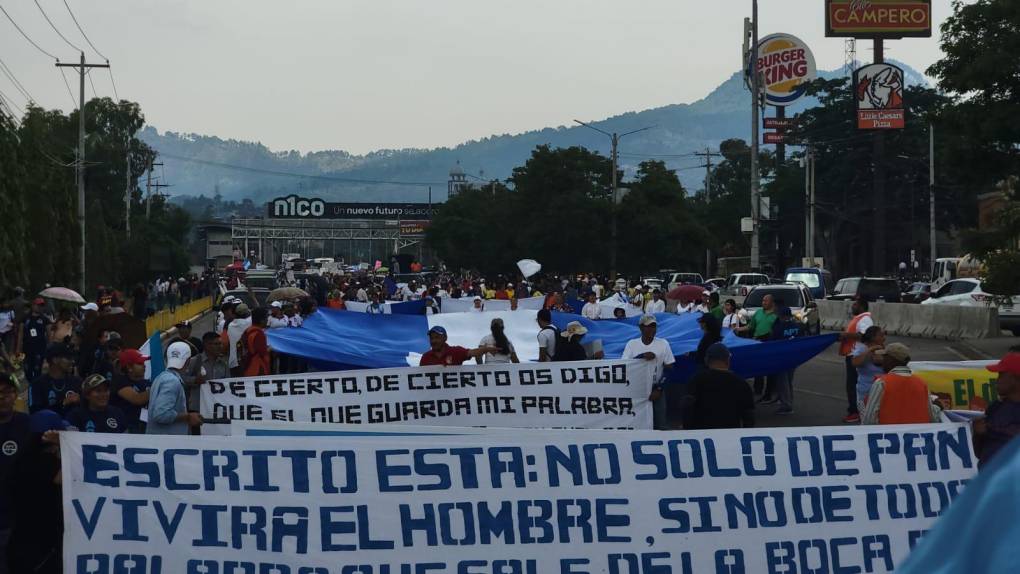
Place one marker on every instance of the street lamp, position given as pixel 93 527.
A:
pixel 615 139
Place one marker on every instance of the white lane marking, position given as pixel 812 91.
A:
pixel 957 353
pixel 817 394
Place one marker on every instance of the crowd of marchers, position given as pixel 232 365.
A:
pixel 50 383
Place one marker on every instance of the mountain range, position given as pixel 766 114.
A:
pixel 206 165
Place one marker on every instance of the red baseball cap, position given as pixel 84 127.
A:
pixel 39 301
pixel 1009 364
pixel 132 357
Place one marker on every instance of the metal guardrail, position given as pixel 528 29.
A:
pixel 165 319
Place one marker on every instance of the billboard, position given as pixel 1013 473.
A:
pixel 879 93
pixel 878 18
pixel 414 227
pixel 295 207
pixel 786 66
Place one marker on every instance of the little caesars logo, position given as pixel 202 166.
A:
pixel 294 206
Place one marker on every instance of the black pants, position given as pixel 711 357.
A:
pixel 851 386
pixel 765 386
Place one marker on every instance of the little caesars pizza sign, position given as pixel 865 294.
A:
pixel 295 207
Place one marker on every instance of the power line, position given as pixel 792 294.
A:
pixel 30 41
pixel 62 37
pixel 96 50
pixel 94 93
pixel 68 86
pixel 9 102
pixel 114 84
pixel 21 88
pixel 292 174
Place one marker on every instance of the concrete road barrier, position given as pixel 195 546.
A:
pixel 935 321
pixel 833 315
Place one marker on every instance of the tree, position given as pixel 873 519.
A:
pixel 657 226
pixel 980 42
pixel 13 244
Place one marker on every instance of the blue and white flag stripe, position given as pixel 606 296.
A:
pixel 337 340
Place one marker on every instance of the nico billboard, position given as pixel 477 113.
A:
pixel 294 207
pixel 878 18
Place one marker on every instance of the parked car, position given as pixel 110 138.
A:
pixel 870 289
pixel 715 283
pixel 819 281
pixel 677 279
pixel 796 296
pixel 970 293
pixel 652 283
pixel 741 283
pixel 916 292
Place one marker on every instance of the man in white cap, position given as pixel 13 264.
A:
pixel 477 306
pixel 658 352
pixel 168 404
pixel 276 318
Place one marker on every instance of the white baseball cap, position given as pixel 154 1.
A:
pixel 90 307
pixel 177 355
pixel 276 304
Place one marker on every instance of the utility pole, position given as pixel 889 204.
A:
pixel 708 198
pixel 127 190
pixel 755 175
pixel 615 141
pixel 808 237
pixel 931 192
pixel 811 206
pixel 82 68
pixel 148 189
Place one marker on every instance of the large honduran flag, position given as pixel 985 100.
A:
pixel 339 340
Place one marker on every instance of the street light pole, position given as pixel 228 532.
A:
pixel 931 192
pixel 614 139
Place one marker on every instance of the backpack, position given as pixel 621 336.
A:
pixel 244 350
pixel 558 339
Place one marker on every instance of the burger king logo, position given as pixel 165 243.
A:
pixel 786 66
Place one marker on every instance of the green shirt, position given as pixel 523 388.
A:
pixel 761 323
pixel 718 312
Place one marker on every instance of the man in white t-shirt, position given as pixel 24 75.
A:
pixel 477 306
pixel 656 305
pixel 547 335
pixel 276 318
pixel 651 348
pixel 591 308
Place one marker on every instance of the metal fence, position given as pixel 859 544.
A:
pixel 165 319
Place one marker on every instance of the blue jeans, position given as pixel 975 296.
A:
pixel 784 389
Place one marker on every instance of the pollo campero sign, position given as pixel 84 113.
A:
pixel 878 18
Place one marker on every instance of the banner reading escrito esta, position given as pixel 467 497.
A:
pixel 583 394
pixel 824 499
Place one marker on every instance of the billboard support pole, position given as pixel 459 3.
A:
pixel 878 231
pixel 755 200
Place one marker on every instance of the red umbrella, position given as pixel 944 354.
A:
pixel 687 293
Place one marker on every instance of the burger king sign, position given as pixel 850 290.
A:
pixel 786 65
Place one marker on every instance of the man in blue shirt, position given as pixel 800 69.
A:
pixel 168 404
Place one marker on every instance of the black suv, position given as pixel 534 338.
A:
pixel 870 289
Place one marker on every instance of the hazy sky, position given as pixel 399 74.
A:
pixel 371 74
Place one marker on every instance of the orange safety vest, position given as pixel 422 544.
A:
pixel 904 400
pixel 846 347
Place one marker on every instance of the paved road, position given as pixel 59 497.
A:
pixel 819 395
pixel 819 392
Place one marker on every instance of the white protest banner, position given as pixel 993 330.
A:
pixel 280 429
pixel 821 499
pixel 581 394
